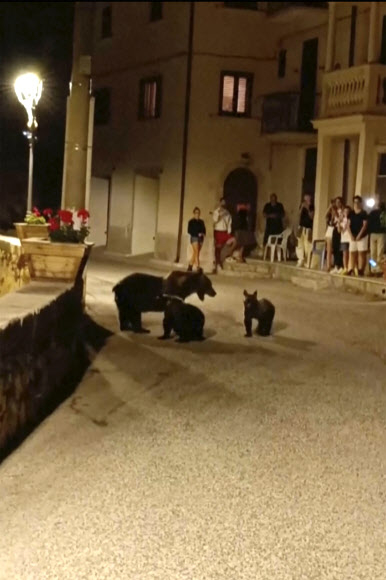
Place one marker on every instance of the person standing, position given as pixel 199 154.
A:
pixel 306 221
pixel 377 233
pixel 330 223
pixel 358 220
pixel 273 213
pixel 222 222
pixel 197 232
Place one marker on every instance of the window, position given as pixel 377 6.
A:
pixel 102 106
pixel 236 92
pixel 282 64
pixel 150 98
pixel 382 60
pixel 242 5
pixel 155 11
pixel 351 54
pixel 106 22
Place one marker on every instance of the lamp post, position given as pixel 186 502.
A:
pixel 28 89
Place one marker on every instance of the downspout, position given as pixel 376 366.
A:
pixel 186 129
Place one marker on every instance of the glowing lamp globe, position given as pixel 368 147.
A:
pixel 28 89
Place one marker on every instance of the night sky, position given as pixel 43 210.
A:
pixel 34 36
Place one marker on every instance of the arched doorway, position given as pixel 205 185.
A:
pixel 240 188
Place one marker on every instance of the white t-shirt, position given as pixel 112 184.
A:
pixel 222 220
pixel 345 236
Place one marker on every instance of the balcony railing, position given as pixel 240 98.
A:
pixel 282 114
pixel 360 89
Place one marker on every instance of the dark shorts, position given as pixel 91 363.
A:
pixel 195 240
pixel 344 246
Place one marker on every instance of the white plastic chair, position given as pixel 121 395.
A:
pixel 282 245
pixel 271 245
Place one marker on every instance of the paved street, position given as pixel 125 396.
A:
pixel 235 458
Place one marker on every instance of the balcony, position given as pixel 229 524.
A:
pixel 284 120
pixel 360 89
pixel 287 12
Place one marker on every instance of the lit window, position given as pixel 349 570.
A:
pixel 236 91
pixel 150 98
pixel 107 22
pixel 102 106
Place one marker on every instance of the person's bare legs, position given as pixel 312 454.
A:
pixel 346 260
pixel 353 261
pixel 362 262
pixel 199 246
pixel 193 259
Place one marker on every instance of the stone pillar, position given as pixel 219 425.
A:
pixel 374 48
pixel 352 169
pixel 322 191
pixel 365 167
pixel 330 53
pixel 76 154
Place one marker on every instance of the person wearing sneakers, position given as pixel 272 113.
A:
pixel 359 242
pixel 222 221
pixel 306 219
pixel 345 238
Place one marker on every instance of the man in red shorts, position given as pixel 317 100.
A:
pixel 222 221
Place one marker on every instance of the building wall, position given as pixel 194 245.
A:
pixel 224 39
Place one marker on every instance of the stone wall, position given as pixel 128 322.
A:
pixel 14 273
pixel 43 355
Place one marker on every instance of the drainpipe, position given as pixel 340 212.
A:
pixel 186 129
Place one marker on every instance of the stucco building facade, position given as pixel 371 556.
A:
pixel 198 100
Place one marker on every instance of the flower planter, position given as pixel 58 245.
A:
pixel 24 230
pixel 55 261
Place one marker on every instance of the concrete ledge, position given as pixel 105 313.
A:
pixel 42 355
pixel 305 278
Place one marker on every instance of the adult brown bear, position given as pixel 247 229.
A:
pixel 139 293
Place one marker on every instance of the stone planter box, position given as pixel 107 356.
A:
pixel 55 261
pixel 24 230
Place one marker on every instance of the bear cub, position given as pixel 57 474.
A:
pixel 186 320
pixel 262 310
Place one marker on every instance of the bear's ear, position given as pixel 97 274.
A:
pixel 255 294
pixel 245 293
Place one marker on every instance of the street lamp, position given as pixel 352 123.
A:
pixel 28 89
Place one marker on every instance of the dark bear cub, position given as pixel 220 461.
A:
pixel 262 310
pixel 186 320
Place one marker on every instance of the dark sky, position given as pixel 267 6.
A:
pixel 33 36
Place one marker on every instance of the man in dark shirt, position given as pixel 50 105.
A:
pixel 274 214
pixel 306 222
pixel 377 233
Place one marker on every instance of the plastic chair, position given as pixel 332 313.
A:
pixel 271 245
pixel 318 249
pixel 282 245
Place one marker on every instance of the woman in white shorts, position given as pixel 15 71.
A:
pixel 359 242
pixel 345 238
pixel 330 220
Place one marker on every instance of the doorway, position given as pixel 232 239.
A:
pixel 240 188
pixel 308 84
pixel 309 177
pixel 99 210
pixel 145 213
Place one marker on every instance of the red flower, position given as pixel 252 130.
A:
pixel 54 224
pixel 48 212
pixel 36 212
pixel 83 214
pixel 65 216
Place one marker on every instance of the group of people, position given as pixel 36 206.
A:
pixel 228 236
pixel 348 235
